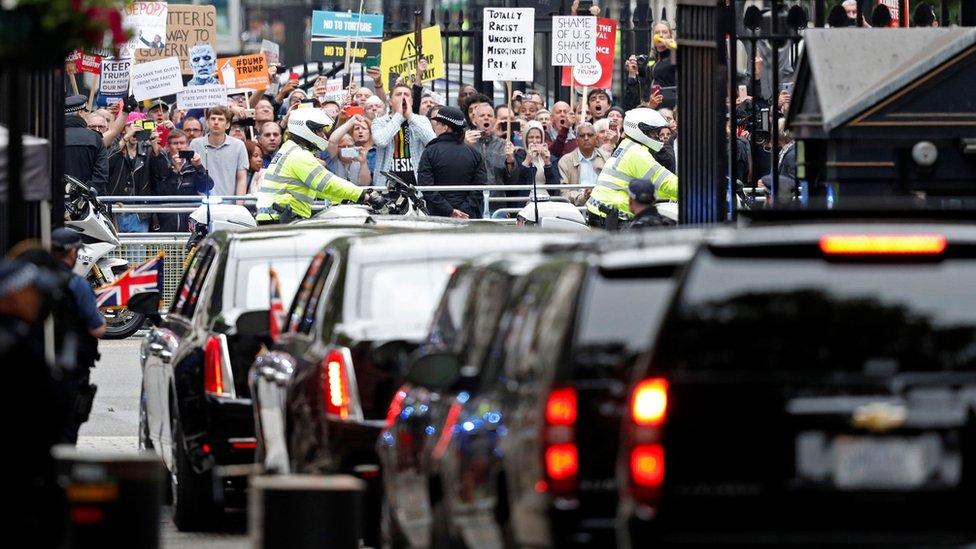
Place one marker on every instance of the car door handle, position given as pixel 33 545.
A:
pixel 158 350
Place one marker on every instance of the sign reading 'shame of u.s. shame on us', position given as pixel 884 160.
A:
pixel 573 40
pixel 508 44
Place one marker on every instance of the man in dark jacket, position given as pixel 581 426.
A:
pixel 447 160
pixel 646 215
pixel 85 157
pixel 186 176
pixel 136 168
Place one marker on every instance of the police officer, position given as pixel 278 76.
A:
pixel 641 193
pixel 295 177
pixel 78 325
pixel 633 159
pixel 85 157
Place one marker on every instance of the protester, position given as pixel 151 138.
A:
pixel 362 95
pixel 447 160
pixel 536 165
pixel 471 103
pixel 137 167
pixel 192 127
pixel 374 107
pixel 532 102
pixel 255 167
pixel 616 117
pixel 85 157
pixel 98 123
pixel 606 137
pixel 185 177
pixel 269 139
pixel 400 138
pixel 343 143
pixel 465 92
pixel 158 111
pixel 561 137
pixel 598 104
pixel 263 112
pixel 224 157
pixel 482 137
pixel 582 166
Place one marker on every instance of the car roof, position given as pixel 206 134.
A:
pixel 286 242
pixel 398 221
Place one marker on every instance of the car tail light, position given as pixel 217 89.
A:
pixel 338 386
pixel 883 244
pixel 649 404
pixel 647 465
pixel 645 454
pixel 560 454
pixel 215 363
pixel 396 406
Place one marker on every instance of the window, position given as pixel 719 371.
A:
pixel 196 272
pixel 446 326
pixel 253 288
pixel 402 294
pixel 301 316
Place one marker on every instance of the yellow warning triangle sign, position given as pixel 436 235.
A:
pixel 409 50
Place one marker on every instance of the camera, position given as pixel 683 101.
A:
pixel 642 60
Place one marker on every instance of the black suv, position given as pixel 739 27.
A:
pixel 324 390
pixel 811 383
pixel 527 449
pixel 195 405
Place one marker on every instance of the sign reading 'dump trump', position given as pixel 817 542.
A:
pixel 508 45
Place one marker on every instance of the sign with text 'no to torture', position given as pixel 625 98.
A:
pixel 508 44
pixel 573 40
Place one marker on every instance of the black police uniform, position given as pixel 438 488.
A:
pixel 85 157
pixel 642 191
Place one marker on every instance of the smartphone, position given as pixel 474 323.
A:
pixel 655 90
pixel 143 135
pixel 516 126
pixel 743 91
pixel 249 113
pixel 349 152
pixel 187 155
pixel 371 62
pixel 584 7
pixel 147 125
pixel 308 103
pixel 321 81
pixel 787 87
pixel 293 76
pixel 353 110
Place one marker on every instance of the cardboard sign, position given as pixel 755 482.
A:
pixel 334 90
pixel 599 74
pixel 202 97
pixel 156 78
pixel 249 71
pixel 147 22
pixel 186 25
pixel 339 24
pixel 893 9
pixel 399 55
pixel 508 47
pixel 573 40
pixel 86 62
pixel 271 51
pixel 115 77
pixel 333 50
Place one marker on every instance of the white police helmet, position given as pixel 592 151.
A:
pixel 307 123
pixel 637 122
pixel 549 209
pixel 225 217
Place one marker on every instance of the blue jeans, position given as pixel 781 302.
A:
pixel 131 223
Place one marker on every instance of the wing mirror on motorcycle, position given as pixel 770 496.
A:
pixel 437 370
pixel 254 324
pixel 146 303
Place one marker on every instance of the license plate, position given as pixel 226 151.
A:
pixel 880 463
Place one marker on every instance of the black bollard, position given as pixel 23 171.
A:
pixel 306 511
pixel 113 500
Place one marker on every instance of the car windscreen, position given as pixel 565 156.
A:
pixel 253 290
pixel 619 314
pixel 401 294
pixel 782 314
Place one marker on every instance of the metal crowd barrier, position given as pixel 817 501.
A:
pixel 138 247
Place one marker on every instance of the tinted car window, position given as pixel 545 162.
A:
pixel 796 314
pixel 196 272
pixel 401 293
pixel 450 313
pixel 253 289
pixel 302 311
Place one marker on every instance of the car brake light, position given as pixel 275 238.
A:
pixel 213 367
pixel 883 244
pixel 396 406
pixel 647 465
pixel 335 384
pixel 649 405
pixel 561 407
pixel 562 462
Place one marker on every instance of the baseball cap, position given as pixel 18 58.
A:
pixel 641 190
pixel 66 238
pixel 158 103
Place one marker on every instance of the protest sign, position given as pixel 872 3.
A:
pixel 508 46
pixel 334 90
pixel 156 78
pixel 250 71
pixel 271 51
pixel 202 97
pixel 333 50
pixel 186 26
pixel 147 22
pixel 599 74
pixel 86 62
pixel 115 77
pixel 339 24
pixel 573 40
pixel 894 9
pixel 399 55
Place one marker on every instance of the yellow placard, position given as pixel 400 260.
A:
pixel 399 55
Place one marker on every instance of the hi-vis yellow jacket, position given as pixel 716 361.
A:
pixel 630 161
pixel 295 178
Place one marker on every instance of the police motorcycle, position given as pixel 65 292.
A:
pixel 399 198
pixel 209 217
pixel 85 214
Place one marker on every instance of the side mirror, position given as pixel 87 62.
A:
pixel 146 303
pixel 435 370
pixel 392 355
pixel 254 324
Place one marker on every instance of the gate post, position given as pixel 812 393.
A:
pixel 702 91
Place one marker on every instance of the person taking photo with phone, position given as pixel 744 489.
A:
pixel 186 176
pixel 136 168
pixel 349 150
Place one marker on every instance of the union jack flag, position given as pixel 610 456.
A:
pixel 276 311
pixel 143 278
